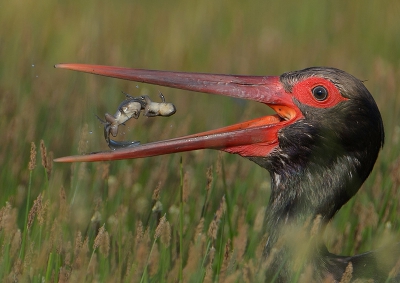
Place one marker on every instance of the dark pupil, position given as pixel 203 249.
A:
pixel 320 93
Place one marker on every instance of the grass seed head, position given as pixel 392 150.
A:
pixel 99 237
pixel 16 243
pixel 209 178
pixel 43 154
pixel 160 227
pixel 139 233
pixel 49 168
pixel 199 228
pixel 213 228
pixel 156 193
pixel 105 244
pixel 32 161
pixel 348 274
pixel 63 205
pixel 166 235
pixel 37 205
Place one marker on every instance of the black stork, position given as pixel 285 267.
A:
pixel 319 148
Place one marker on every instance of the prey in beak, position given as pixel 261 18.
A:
pixel 254 138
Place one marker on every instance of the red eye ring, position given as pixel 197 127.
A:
pixel 311 91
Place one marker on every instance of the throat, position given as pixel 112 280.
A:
pixel 294 232
pixel 303 199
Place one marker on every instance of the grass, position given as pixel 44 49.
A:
pixel 97 222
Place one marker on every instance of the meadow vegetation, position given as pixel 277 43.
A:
pixel 190 217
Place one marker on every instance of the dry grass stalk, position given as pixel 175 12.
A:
pixel 240 241
pixel 194 256
pixel 139 233
pixel 248 272
pixel 105 244
pixel 78 244
pixel 47 162
pixel 8 220
pixel 156 192
pixel 84 252
pixel 68 256
pixel 154 261
pixel 160 227
pixel 213 228
pixel 199 229
pixel 64 275
pixel 42 211
pixel 63 205
pixel 348 274
pixel 65 271
pixel 80 251
pixel 209 178
pixel 225 261
pixel 196 250
pixel 209 270
pixel 56 236
pixel 232 278
pixel 43 153
pixel 49 168
pixel 166 235
pixel 93 267
pixel 142 252
pixel 34 210
pixel 173 274
pixel 16 243
pixel 99 237
pixel 32 161
pixel 16 271
pixel 29 255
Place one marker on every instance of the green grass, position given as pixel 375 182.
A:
pixel 66 210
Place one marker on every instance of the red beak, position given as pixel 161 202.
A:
pixel 256 137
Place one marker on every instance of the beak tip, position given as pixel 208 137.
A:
pixel 64 159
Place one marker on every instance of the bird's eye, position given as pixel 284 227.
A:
pixel 320 93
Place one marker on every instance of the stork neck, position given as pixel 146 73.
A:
pixel 304 197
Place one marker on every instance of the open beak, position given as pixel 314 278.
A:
pixel 256 137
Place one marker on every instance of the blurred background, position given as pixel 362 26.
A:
pixel 38 102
